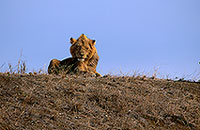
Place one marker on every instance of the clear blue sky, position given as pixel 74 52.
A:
pixel 131 35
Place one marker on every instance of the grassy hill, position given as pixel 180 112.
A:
pixel 40 101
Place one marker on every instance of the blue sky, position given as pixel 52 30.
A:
pixel 131 35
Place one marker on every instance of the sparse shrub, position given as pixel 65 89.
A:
pixel 20 68
pixel 10 68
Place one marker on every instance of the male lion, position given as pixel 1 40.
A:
pixel 84 58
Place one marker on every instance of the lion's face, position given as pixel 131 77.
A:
pixel 83 48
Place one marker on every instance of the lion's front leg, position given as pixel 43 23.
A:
pixel 92 70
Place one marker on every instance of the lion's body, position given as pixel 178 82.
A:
pixel 84 58
pixel 57 66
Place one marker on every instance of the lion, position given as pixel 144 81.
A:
pixel 84 58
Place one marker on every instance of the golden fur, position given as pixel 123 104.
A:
pixel 84 58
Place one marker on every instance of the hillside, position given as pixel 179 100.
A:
pixel 34 102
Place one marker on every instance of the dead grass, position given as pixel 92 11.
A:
pixel 40 101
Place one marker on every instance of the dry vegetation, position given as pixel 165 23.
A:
pixel 40 101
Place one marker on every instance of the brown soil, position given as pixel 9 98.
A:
pixel 35 102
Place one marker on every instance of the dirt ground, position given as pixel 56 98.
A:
pixel 70 102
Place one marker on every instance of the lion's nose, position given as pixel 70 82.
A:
pixel 82 54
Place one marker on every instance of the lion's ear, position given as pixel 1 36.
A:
pixel 94 42
pixel 72 40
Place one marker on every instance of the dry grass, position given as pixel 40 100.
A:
pixel 40 101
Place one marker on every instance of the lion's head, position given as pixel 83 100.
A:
pixel 83 48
